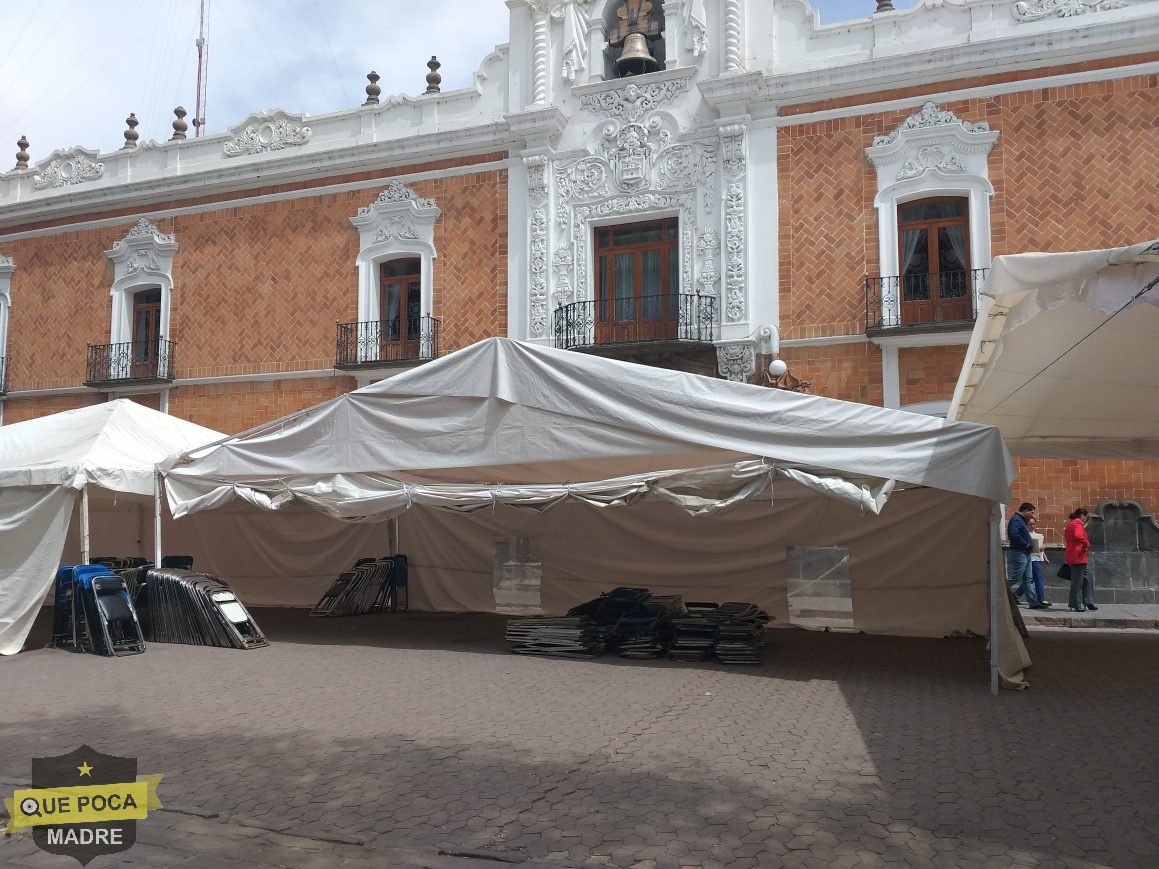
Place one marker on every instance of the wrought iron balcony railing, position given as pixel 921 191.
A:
pixel 927 300
pixel 131 362
pixel 383 342
pixel 3 375
pixel 638 319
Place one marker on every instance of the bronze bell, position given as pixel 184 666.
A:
pixel 635 59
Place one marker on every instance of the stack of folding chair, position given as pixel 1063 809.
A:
pixel 180 606
pixel 740 629
pixel 94 613
pixel 367 587
pixel 693 634
pixel 568 637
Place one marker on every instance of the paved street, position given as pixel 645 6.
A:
pixel 418 740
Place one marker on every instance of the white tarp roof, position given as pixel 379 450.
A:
pixel 1065 354
pixel 506 412
pixel 44 463
pixel 115 445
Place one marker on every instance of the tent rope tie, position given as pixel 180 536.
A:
pixel 408 491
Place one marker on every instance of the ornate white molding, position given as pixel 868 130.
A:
pixel 263 132
pixel 708 246
pixel 734 251
pixel 537 266
pixel 70 168
pixel 575 42
pixel 143 237
pixel 536 177
pixel 539 45
pixel 736 361
pixel 695 27
pixel 7 262
pixel 732 143
pixel 930 116
pixel 1036 10
pixel 395 192
pixel 631 102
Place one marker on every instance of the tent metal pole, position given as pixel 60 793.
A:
pixel 995 555
pixel 157 484
pixel 84 524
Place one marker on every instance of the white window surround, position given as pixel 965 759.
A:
pixel 398 224
pixel 7 267
pixel 933 153
pixel 142 260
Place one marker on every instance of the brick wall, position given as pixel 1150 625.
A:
pixel 929 373
pixel 236 407
pixel 1068 174
pixel 257 288
pixel 1057 486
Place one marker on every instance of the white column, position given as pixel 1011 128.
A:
pixel 890 378
pixel 733 36
pixel 995 556
pixel 539 54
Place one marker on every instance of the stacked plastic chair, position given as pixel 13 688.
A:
pixel 570 637
pixel 94 613
pixel 197 609
pixel 372 585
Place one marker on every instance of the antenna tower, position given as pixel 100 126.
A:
pixel 202 69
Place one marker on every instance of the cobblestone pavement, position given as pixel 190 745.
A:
pixel 385 740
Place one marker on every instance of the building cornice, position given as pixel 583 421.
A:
pixel 236 175
pixel 946 63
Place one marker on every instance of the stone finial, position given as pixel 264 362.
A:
pixel 433 77
pixel 179 125
pixel 883 6
pixel 22 156
pixel 131 134
pixel 372 89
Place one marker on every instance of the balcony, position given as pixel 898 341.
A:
pixel 133 363
pixel 942 302
pixel 377 343
pixel 669 331
pixel 3 375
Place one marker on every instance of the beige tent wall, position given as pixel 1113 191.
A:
pixel 919 569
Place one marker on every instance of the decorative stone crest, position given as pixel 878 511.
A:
pixel 144 229
pixel 930 157
pixel 396 191
pixel 736 362
pixel 395 226
pixel 74 167
pixel 263 133
pixel 632 102
pixel 930 116
pixel 1036 10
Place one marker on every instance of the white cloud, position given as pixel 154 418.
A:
pixel 72 70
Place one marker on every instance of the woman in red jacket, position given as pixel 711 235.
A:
pixel 1078 545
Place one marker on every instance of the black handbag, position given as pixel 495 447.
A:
pixel 1064 572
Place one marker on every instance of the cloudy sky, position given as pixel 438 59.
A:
pixel 72 70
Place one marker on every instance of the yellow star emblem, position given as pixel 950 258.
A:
pixel 85 769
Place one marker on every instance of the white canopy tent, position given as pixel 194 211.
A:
pixel 1064 354
pixel 46 464
pixel 499 432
